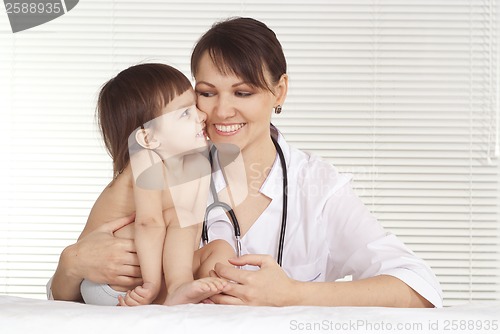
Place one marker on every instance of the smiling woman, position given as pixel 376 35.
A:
pixel 403 96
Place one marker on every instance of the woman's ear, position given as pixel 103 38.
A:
pixel 281 89
pixel 145 138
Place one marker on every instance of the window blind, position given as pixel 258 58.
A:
pixel 403 94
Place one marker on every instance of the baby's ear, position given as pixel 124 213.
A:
pixel 146 139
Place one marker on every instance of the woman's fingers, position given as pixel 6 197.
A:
pixel 258 260
pixel 225 299
pixel 241 276
pixel 117 224
pixel 125 282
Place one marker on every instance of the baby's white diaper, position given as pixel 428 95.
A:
pixel 99 294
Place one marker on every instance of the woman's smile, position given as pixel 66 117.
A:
pixel 228 129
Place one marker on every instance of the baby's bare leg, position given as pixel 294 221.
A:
pixel 205 258
pixel 203 286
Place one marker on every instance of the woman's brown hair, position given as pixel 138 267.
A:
pixel 244 47
pixel 135 96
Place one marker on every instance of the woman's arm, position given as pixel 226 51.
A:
pixel 100 257
pixel 384 271
pixel 271 286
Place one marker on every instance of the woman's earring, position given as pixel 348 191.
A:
pixel 277 109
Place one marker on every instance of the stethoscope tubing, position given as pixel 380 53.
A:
pixel 284 210
pixel 232 215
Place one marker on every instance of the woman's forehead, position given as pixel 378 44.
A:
pixel 258 77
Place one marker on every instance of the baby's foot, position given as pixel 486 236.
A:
pixel 195 291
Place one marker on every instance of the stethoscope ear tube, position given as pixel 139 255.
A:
pixel 281 245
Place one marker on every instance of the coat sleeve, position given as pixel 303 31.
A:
pixel 359 246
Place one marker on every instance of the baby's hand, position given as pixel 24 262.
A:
pixel 141 295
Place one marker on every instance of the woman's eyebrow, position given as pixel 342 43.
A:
pixel 210 85
pixel 239 84
pixel 204 83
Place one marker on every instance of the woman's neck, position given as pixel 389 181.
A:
pixel 258 161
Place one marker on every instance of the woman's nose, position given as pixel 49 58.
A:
pixel 224 108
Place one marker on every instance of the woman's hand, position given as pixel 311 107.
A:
pixel 267 286
pixel 98 256
pixel 104 258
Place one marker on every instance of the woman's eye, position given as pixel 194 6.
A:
pixel 205 94
pixel 243 94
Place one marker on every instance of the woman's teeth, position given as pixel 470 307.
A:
pixel 229 128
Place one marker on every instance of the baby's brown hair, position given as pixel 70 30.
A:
pixel 135 96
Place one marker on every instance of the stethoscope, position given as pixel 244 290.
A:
pixel 232 217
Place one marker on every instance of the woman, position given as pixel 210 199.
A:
pixel 240 73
